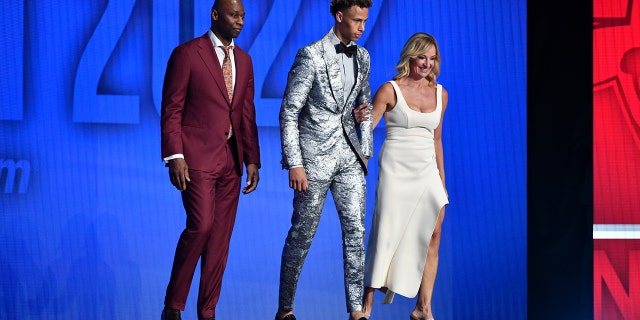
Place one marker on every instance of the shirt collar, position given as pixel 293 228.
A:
pixel 334 38
pixel 217 42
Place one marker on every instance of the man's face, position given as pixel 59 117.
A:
pixel 350 23
pixel 229 18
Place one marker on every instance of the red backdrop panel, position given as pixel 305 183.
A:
pixel 616 155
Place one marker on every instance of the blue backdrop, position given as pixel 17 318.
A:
pixel 89 219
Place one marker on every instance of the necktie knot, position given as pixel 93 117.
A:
pixel 349 51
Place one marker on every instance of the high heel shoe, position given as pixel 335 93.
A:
pixel 287 317
pixel 411 317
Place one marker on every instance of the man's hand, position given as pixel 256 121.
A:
pixel 361 113
pixel 179 173
pixel 298 179
pixel 253 176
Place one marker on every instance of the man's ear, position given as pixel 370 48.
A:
pixel 339 16
pixel 214 14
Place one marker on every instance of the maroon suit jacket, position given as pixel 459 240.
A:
pixel 196 111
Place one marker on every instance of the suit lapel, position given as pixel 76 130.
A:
pixel 210 58
pixel 333 71
pixel 242 74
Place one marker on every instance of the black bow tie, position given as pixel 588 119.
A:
pixel 349 51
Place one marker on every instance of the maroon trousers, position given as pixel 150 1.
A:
pixel 210 202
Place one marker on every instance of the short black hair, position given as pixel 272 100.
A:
pixel 339 5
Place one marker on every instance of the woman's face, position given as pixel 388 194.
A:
pixel 423 63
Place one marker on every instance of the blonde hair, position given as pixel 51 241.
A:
pixel 417 45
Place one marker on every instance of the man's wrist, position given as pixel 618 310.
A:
pixel 173 156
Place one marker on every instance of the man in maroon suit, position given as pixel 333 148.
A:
pixel 208 132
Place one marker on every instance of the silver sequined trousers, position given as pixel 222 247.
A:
pixel 347 184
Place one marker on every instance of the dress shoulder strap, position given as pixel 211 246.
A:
pixel 396 88
pixel 438 96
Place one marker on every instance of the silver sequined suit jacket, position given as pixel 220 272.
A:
pixel 316 112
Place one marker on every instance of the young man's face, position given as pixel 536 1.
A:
pixel 350 23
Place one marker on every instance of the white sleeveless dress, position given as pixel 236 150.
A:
pixel 409 197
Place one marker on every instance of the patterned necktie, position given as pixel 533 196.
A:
pixel 227 72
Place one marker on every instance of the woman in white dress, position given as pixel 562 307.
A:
pixel 402 252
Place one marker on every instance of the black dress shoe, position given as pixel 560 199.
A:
pixel 170 314
pixel 287 317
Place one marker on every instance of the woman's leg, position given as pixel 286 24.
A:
pixel 423 305
pixel 367 304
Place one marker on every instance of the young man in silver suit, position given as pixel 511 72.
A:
pixel 322 149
